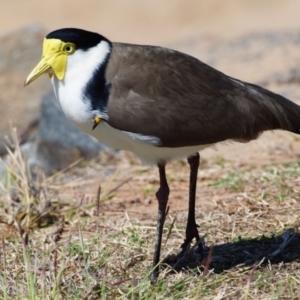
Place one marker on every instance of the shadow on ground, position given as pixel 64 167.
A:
pixel 243 252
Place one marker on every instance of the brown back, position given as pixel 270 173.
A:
pixel 182 101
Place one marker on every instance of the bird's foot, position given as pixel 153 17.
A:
pixel 191 233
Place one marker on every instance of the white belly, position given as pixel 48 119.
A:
pixel 148 153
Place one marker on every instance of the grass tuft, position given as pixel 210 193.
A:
pixel 88 233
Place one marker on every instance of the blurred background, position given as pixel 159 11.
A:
pixel 153 21
pixel 253 40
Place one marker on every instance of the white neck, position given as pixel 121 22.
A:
pixel 81 66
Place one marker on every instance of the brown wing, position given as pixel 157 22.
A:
pixel 184 102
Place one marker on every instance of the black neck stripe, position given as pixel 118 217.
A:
pixel 97 89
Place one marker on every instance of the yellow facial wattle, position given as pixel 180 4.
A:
pixel 55 53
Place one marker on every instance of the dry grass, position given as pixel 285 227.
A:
pixel 63 238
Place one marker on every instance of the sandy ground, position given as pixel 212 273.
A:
pixel 155 21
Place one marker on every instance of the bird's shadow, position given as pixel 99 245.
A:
pixel 243 252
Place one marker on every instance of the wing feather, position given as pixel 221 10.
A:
pixel 180 100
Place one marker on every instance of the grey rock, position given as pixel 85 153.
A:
pixel 19 52
pixel 48 139
pixel 58 142
pixel 55 128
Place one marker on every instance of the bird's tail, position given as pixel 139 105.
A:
pixel 272 111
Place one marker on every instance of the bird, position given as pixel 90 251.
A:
pixel 158 103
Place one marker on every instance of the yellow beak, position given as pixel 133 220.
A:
pixel 41 68
pixel 54 57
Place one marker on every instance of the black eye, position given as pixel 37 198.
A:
pixel 69 48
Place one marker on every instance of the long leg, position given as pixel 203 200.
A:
pixel 162 196
pixel 191 227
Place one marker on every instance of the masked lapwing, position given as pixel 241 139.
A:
pixel 157 103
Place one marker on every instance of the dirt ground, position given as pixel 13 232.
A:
pixel 226 176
